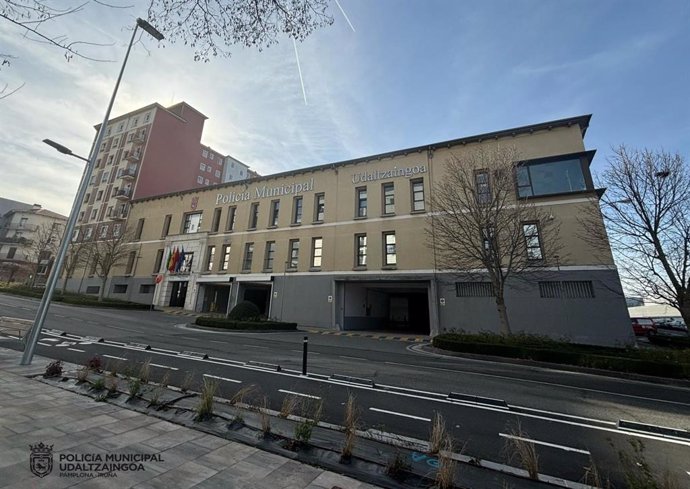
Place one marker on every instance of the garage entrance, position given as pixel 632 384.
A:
pixel 215 298
pixel 401 307
pixel 259 294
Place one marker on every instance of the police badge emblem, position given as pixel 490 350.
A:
pixel 41 460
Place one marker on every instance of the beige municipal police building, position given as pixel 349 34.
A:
pixel 343 246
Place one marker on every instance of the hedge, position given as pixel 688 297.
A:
pixel 663 364
pixel 214 322
pixel 73 299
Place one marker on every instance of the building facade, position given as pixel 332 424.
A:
pixel 343 246
pixel 29 237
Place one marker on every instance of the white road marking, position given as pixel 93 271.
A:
pixel 165 351
pixel 60 316
pixel 298 394
pixel 163 366
pixel 541 382
pixel 76 349
pixel 115 358
pixel 399 414
pixel 546 444
pixel 50 339
pixel 310 353
pixel 223 378
pixel 45 344
pixel 254 346
pixel 352 358
pixel 594 420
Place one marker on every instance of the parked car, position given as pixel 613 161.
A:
pixel 643 326
pixel 671 326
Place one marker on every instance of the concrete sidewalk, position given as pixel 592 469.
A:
pixel 93 444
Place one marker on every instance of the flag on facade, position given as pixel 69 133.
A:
pixel 171 266
pixel 167 262
pixel 176 260
pixel 182 257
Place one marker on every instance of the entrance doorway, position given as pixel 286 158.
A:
pixel 215 298
pixel 259 294
pixel 178 294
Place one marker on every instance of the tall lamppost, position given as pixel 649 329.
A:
pixel 32 338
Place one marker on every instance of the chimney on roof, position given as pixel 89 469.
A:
pixel 36 207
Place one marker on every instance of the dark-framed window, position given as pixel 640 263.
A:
pixel 319 207
pixel 388 193
pixel 293 253
pixel 225 260
pixel 159 261
pixel 232 215
pixel 360 250
pixel 269 255
pixel 361 199
pixel 166 225
pixel 483 186
pixel 192 223
pixel 140 228
pixel 210 255
pixel 248 256
pixel 474 289
pixel 130 262
pixel 390 257
pixel 551 176
pixel 297 203
pixel 215 224
pixel 253 215
pixel 275 211
pixel 533 246
pixel 567 289
pixel 417 190
pixel 316 252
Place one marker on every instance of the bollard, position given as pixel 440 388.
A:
pixel 304 355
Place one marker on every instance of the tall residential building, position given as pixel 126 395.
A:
pixel 235 170
pixel 29 237
pixel 149 151
pixel 343 246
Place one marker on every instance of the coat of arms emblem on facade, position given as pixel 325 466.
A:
pixel 41 460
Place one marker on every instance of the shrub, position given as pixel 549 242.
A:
pixel 204 409
pixel 53 369
pixel 94 363
pixel 245 311
pixel 98 385
pixel 214 322
pixel 134 387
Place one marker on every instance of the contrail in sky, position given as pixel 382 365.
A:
pixel 299 69
pixel 345 15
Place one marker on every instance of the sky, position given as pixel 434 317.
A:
pixel 406 73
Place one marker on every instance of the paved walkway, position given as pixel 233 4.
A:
pixel 88 438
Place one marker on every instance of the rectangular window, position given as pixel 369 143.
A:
pixel 200 179
pixel 147 288
pixel 482 186
pixel 571 289
pixel 248 255
pixel 474 289
pixel 93 214
pixel 275 210
pixel 104 232
pixel 552 177
pixel 99 195
pixel 253 215
pixel 140 228
pixel 204 153
pixel 130 262
pixel 316 251
pixel 417 189
pixel 217 173
pixel 215 224
pixel 88 233
pixel 11 252
pixel 192 223
pixel 269 255
pixel 390 257
pixel 209 169
pixel 104 178
pixel 166 225
pixel 92 289
pixel 232 214
pixel 293 257
pixel 202 166
pixel 205 181
pixel 226 257
pixel 297 210
pixel 120 289
pixel 319 207
pixel 210 255
pixel 361 195
pixel 532 241
pixel 361 250
pixel 116 229
pixel 110 159
pixel 159 261
pixel 388 192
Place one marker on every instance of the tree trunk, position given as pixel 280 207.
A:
pixel 685 312
pixel 101 292
pixel 64 282
pixel 503 315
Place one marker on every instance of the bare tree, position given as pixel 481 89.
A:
pixel 43 247
pixel 109 253
pixel 77 256
pixel 646 209
pixel 478 228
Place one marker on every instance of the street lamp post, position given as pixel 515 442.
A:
pixel 71 222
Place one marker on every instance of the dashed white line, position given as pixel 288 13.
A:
pixel 50 339
pixel 544 443
pixel 254 346
pixel 298 394
pixel 352 358
pixel 76 349
pixel 114 357
pixel 310 353
pixel 394 413
pixel 223 378
pixel 163 366
pixel 45 344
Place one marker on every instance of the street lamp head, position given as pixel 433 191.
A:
pixel 150 29
pixel 62 149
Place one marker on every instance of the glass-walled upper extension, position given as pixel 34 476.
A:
pixel 555 175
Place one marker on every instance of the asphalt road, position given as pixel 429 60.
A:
pixel 572 417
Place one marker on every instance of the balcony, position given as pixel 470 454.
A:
pixel 123 194
pixel 120 215
pixel 135 156
pixel 15 226
pixel 128 173
pixel 139 137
